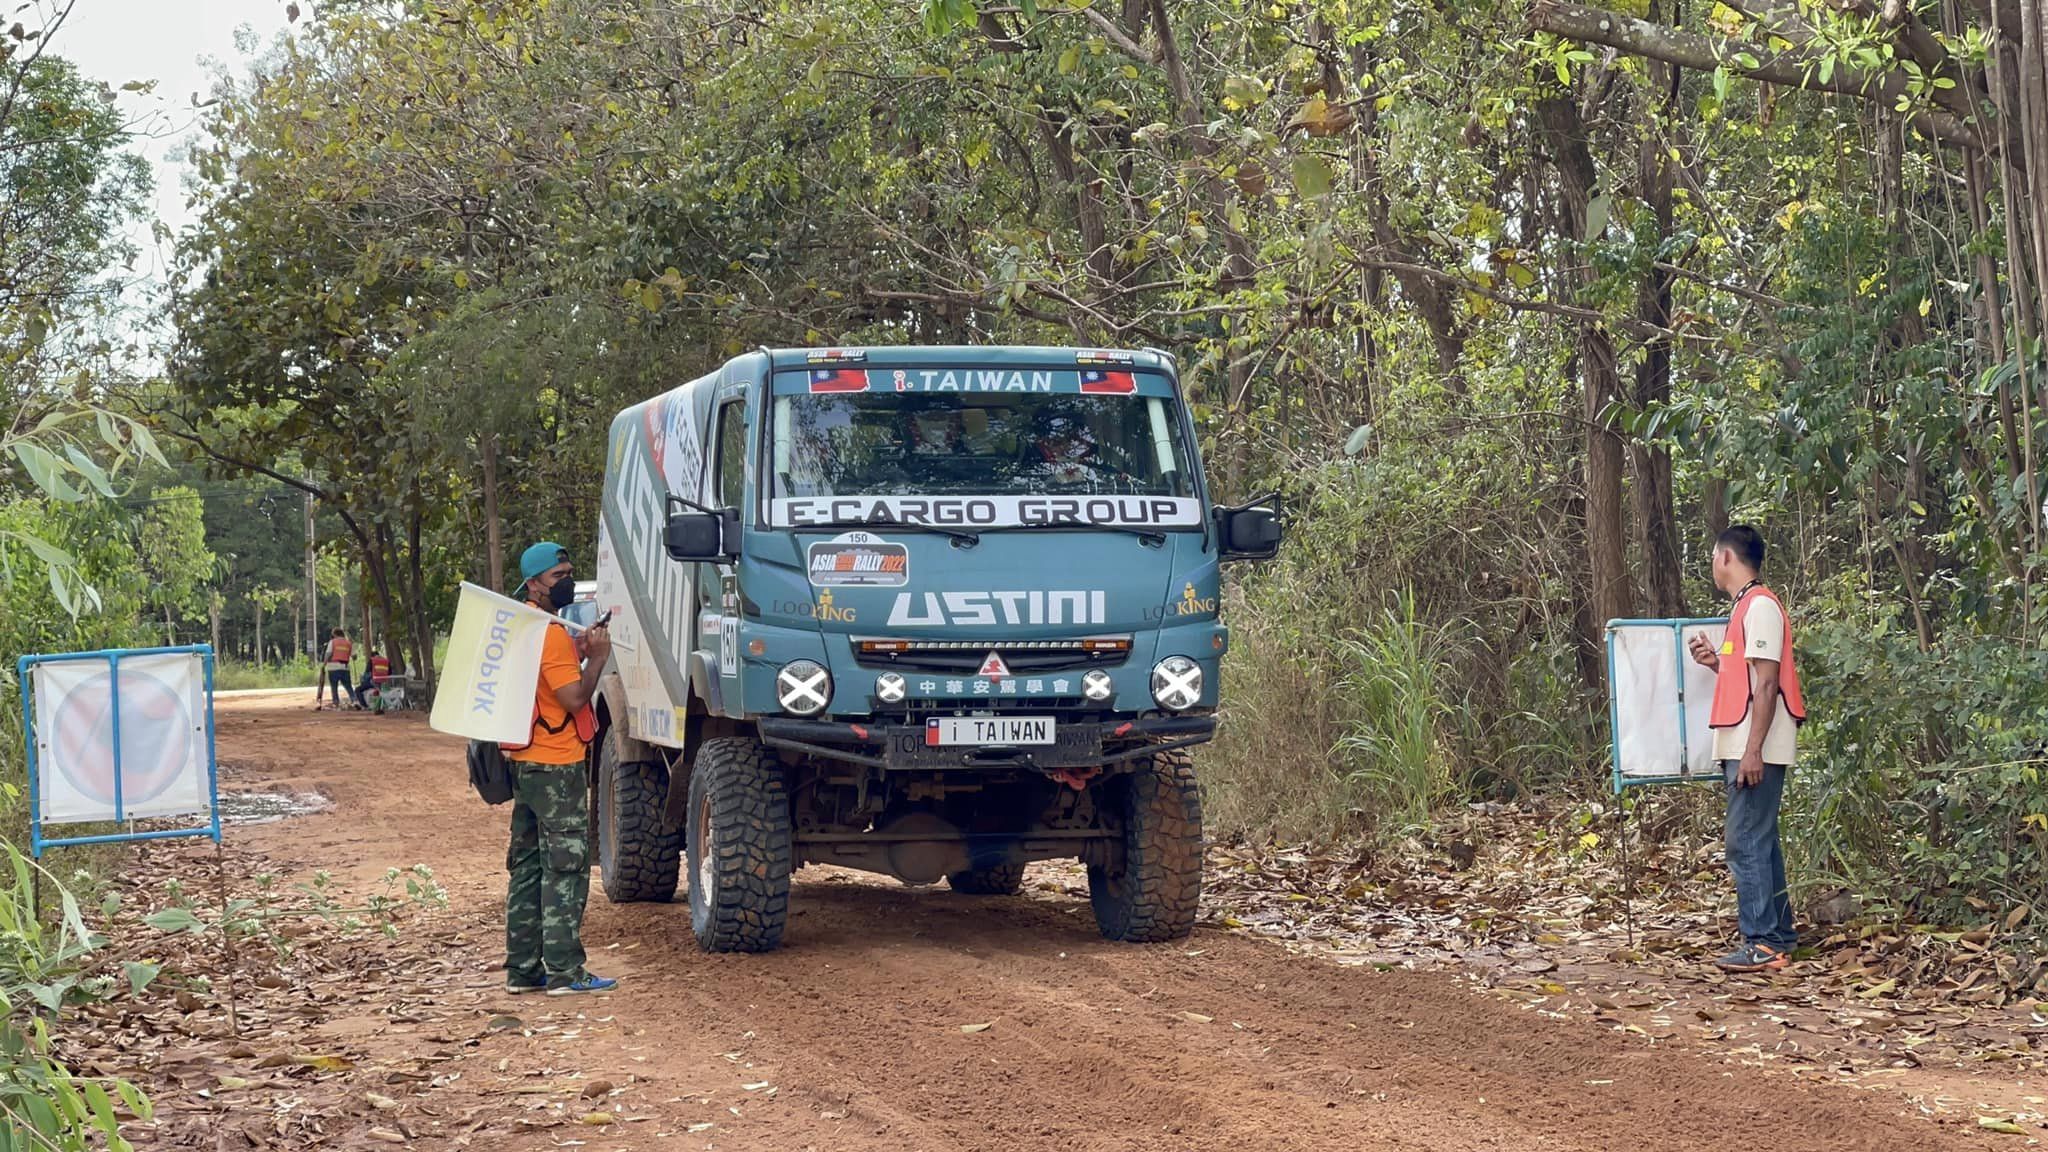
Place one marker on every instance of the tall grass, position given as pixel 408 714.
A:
pixel 1393 751
pixel 1402 654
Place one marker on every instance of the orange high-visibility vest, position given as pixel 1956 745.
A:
pixel 1731 681
pixel 584 718
pixel 380 668
pixel 340 650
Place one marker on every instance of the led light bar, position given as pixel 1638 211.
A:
pixel 1085 644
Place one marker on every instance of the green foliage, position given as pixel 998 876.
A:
pixel 172 553
pixel 42 1104
pixel 235 675
pixel 1924 775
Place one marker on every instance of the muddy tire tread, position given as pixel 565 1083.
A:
pixel 639 859
pixel 998 880
pixel 1159 894
pixel 750 816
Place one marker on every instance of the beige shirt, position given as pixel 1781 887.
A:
pixel 1763 638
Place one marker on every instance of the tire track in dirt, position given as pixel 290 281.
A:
pixel 1093 1046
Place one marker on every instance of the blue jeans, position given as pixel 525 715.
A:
pixel 1763 906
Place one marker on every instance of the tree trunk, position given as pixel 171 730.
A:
pixel 423 630
pixel 259 633
pixel 1655 517
pixel 494 532
pixel 170 633
pixel 1612 595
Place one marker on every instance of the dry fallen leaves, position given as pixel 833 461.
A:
pixel 972 1028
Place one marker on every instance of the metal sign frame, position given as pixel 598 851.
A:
pixel 112 657
pixel 1685 773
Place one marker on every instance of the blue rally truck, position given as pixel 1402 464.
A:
pixel 928 612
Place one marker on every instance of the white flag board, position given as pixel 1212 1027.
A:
pixel 1659 700
pixel 164 763
pixel 492 668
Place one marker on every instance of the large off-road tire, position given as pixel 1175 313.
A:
pixel 637 858
pixel 1153 896
pixel 741 845
pixel 997 880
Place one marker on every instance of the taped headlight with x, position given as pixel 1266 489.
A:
pixel 803 687
pixel 1177 683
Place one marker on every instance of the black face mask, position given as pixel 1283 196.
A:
pixel 562 594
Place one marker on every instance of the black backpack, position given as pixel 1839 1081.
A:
pixel 489 772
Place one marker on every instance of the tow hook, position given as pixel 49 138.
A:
pixel 1076 778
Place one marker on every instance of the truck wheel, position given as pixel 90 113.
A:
pixel 1000 880
pixel 741 845
pixel 1153 897
pixel 636 857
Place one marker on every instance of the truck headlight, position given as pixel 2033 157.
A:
pixel 803 687
pixel 890 688
pixel 1096 685
pixel 1177 683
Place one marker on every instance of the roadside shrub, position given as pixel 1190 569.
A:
pixel 1923 776
pixel 1405 650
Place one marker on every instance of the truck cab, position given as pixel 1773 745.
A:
pixel 929 612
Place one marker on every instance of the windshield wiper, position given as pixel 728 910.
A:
pixel 960 537
pixel 1150 537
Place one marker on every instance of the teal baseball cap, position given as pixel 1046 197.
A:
pixel 537 559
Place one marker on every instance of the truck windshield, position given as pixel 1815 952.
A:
pixel 882 444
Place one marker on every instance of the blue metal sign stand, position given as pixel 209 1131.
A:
pixel 1677 627
pixel 113 658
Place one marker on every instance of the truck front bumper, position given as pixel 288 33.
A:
pixel 902 747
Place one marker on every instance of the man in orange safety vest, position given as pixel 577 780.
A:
pixel 1756 715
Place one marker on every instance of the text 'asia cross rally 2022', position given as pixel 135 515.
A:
pixel 927 612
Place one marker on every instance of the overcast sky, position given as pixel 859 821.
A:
pixel 178 44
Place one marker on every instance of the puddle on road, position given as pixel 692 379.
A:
pixel 269 807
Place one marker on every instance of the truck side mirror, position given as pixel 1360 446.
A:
pixel 1250 531
pixel 698 534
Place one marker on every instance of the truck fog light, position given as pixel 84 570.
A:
pixel 803 687
pixel 1177 683
pixel 890 688
pixel 1096 685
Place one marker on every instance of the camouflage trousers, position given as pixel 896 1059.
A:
pixel 550 865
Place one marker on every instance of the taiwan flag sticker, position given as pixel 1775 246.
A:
pixel 839 380
pixel 1098 380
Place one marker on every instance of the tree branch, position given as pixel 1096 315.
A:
pixel 1691 50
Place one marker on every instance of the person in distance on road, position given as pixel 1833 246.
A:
pixel 549 858
pixel 1756 715
pixel 336 656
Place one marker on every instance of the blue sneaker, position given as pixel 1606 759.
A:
pixel 588 982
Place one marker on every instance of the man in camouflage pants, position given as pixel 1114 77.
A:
pixel 549 858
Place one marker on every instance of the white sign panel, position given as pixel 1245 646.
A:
pixel 162 766
pixel 491 670
pixel 1661 699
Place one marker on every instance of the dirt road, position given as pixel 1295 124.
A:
pixel 852 1037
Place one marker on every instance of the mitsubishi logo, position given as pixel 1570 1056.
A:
pixel 994 666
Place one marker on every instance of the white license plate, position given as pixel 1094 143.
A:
pixel 945 730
